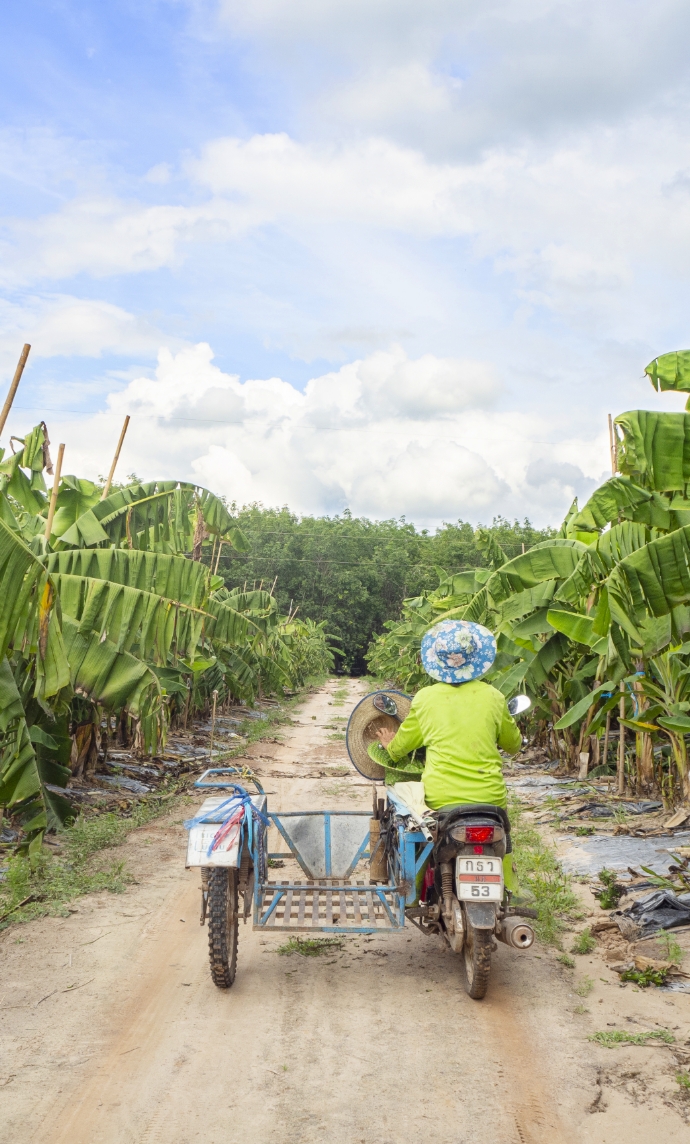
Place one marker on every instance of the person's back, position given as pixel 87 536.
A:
pixel 461 721
pixel 462 727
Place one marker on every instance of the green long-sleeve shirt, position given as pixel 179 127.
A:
pixel 462 729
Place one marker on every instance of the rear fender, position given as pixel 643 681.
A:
pixel 480 915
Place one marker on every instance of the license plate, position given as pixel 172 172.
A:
pixel 479 879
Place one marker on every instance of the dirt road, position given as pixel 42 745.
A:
pixel 112 1032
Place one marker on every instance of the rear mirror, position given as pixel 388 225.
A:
pixel 385 704
pixel 518 704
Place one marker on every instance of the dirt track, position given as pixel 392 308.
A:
pixel 112 1032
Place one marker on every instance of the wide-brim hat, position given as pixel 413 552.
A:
pixel 368 718
pixel 456 651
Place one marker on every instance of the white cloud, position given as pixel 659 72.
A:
pixel 352 438
pixel 59 325
pixel 577 226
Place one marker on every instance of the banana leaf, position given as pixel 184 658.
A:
pixel 655 451
pixel 654 581
pixel 158 515
pixel 670 371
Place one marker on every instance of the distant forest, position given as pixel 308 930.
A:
pixel 353 572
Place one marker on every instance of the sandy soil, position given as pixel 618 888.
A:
pixel 112 1032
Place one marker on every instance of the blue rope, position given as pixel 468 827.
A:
pixel 226 810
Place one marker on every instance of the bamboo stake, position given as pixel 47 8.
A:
pixel 14 386
pixel 116 458
pixel 215 570
pixel 606 737
pixel 213 726
pixel 621 744
pixel 613 446
pixel 53 495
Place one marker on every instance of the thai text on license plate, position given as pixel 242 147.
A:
pixel 479 879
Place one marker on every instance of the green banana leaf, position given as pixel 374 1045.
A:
pixel 158 515
pixel 652 582
pixel 151 625
pixel 655 451
pixel 670 371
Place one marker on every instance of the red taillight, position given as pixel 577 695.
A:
pixel 479 833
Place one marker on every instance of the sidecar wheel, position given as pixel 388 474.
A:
pixel 222 925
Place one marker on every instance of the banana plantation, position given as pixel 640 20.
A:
pixel 112 621
pixel 594 623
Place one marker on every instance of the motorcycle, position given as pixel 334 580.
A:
pixel 463 895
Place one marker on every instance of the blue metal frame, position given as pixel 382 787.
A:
pixel 412 850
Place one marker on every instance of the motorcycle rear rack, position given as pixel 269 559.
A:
pixel 329 905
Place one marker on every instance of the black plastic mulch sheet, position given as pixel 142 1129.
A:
pixel 661 909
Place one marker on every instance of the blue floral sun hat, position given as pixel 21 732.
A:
pixel 455 651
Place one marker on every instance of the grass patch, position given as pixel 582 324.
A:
pixel 566 960
pixel 609 1038
pixel 540 873
pixel 340 735
pixel 310 946
pixel 584 942
pixel 580 1010
pixel 54 880
pixel 585 987
pixel 683 1079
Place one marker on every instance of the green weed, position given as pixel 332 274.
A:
pixel 683 1079
pixel 566 961
pixel 644 977
pixel 310 946
pixel 338 735
pixel 585 987
pixel 584 942
pixel 674 952
pixel 580 1010
pixel 612 892
pixel 540 873
pixel 584 831
pixel 611 1037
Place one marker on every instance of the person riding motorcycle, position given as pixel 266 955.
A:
pixel 461 720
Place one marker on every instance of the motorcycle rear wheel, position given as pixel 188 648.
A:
pixel 477 961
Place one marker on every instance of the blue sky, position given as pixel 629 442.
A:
pixel 334 253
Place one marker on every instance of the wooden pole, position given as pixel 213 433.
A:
pixel 116 458
pixel 613 447
pixel 607 732
pixel 53 495
pixel 14 386
pixel 621 743
pixel 215 570
pixel 213 726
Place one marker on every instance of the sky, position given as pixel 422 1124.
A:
pixel 394 257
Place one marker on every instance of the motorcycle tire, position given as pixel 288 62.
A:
pixel 477 961
pixel 223 921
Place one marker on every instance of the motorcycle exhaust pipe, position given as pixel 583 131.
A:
pixel 516 933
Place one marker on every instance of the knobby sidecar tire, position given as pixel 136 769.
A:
pixel 477 961
pixel 222 925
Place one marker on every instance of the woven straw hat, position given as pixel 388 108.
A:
pixel 365 721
